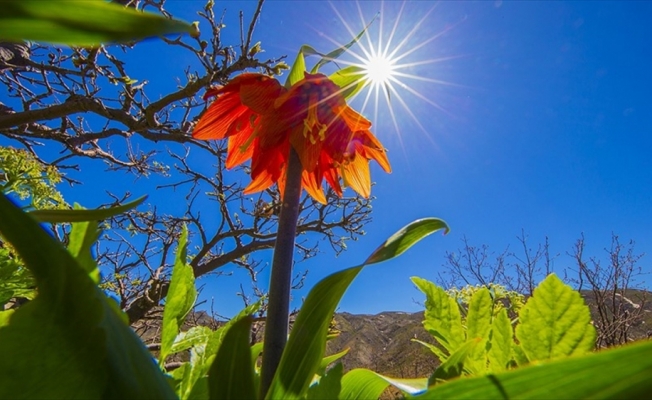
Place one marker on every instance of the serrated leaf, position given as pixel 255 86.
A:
pixel 478 326
pixel 442 317
pixel 81 23
pixel 231 374
pixel 59 216
pixel 406 238
pixel 361 383
pixel 555 322
pixel 195 336
pixel 329 386
pixel 180 298
pixel 501 342
pixel 454 365
pixel 617 373
pixel 307 342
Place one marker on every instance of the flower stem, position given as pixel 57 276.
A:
pixel 278 308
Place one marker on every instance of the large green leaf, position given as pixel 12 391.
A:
pixel 365 384
pixel 442 317
pixel 620 373
pixel 81 23
pixel 180 298
pixel 329 386
pixel 78 215
pixel 306 344
pixel 231 375
pixel 454 365
pixel 555 322
pixel 82 237
pixel 68 342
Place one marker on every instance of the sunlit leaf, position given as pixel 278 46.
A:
pixel 478 326
pixel 405 238
pixel 442 317
pixel 329 385
pixel 195 336
pixel 555 322
pixel 297 72
pixel 502 340
pixel 81 23
pixel 180 298
pixel 619 373
pixel 58 216
pixel 350 79
pixel 361 383
pixel 306 344
pixel 455 364
pixel 231 375
pixel 82 237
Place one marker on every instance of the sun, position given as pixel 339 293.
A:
pixel 379 70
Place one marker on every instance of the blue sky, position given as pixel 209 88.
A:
pixel 547 128
pixel 543 124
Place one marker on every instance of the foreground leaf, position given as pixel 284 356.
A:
pixel 555 322
pixel 68 342
pixel 81 23
pixel 59 216
pixel 361 383
pixel 307 342
pixel 180 298
pixel 620 373
pixel 231 375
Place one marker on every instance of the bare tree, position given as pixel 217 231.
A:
pixel 618 307
pixel 81 108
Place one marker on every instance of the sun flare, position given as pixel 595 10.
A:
pixel 379 69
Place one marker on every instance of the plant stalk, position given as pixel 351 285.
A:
pixel 278 308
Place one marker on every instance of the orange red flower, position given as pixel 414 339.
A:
pixel 262 119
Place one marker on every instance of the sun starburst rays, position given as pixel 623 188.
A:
pixel 393 68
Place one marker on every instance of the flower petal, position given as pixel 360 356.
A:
pixel 356 175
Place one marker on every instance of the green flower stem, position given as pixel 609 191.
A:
pixel 276 326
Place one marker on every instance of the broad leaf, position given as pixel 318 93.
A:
pixel 619 373
pixel 81 23
pixel 350 79
pixel 329 386
pixel 231 375
pixel 306 344
pixel 180 298
pixel 555 322
pixel 68 342
pixel 58 216
pixel 442 317
pixel 363 384
pixel 195 336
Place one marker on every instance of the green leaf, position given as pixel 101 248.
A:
pixel 306 344
pixel 82 237
pixel 68 342
pixel 329 385
pixel 180 298
pixel 478 326
pixel 617 373
pixel 81 23
pixel 454 366
pixel 340 50
pixel 406 238
pixel 298 69
pixel 58 216
pixel 231 375
pixel 195 336
pixel 350 79
pixel 442 317
pixel 326 361
pixel 501 342
pixel 363 384
pixel 439 353
pixel 555 322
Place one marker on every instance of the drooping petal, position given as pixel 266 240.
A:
pixel 312 183
pixel 267 165
pixel 308 152
pixel 219 117
pixel 259 92
pixel 356 175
